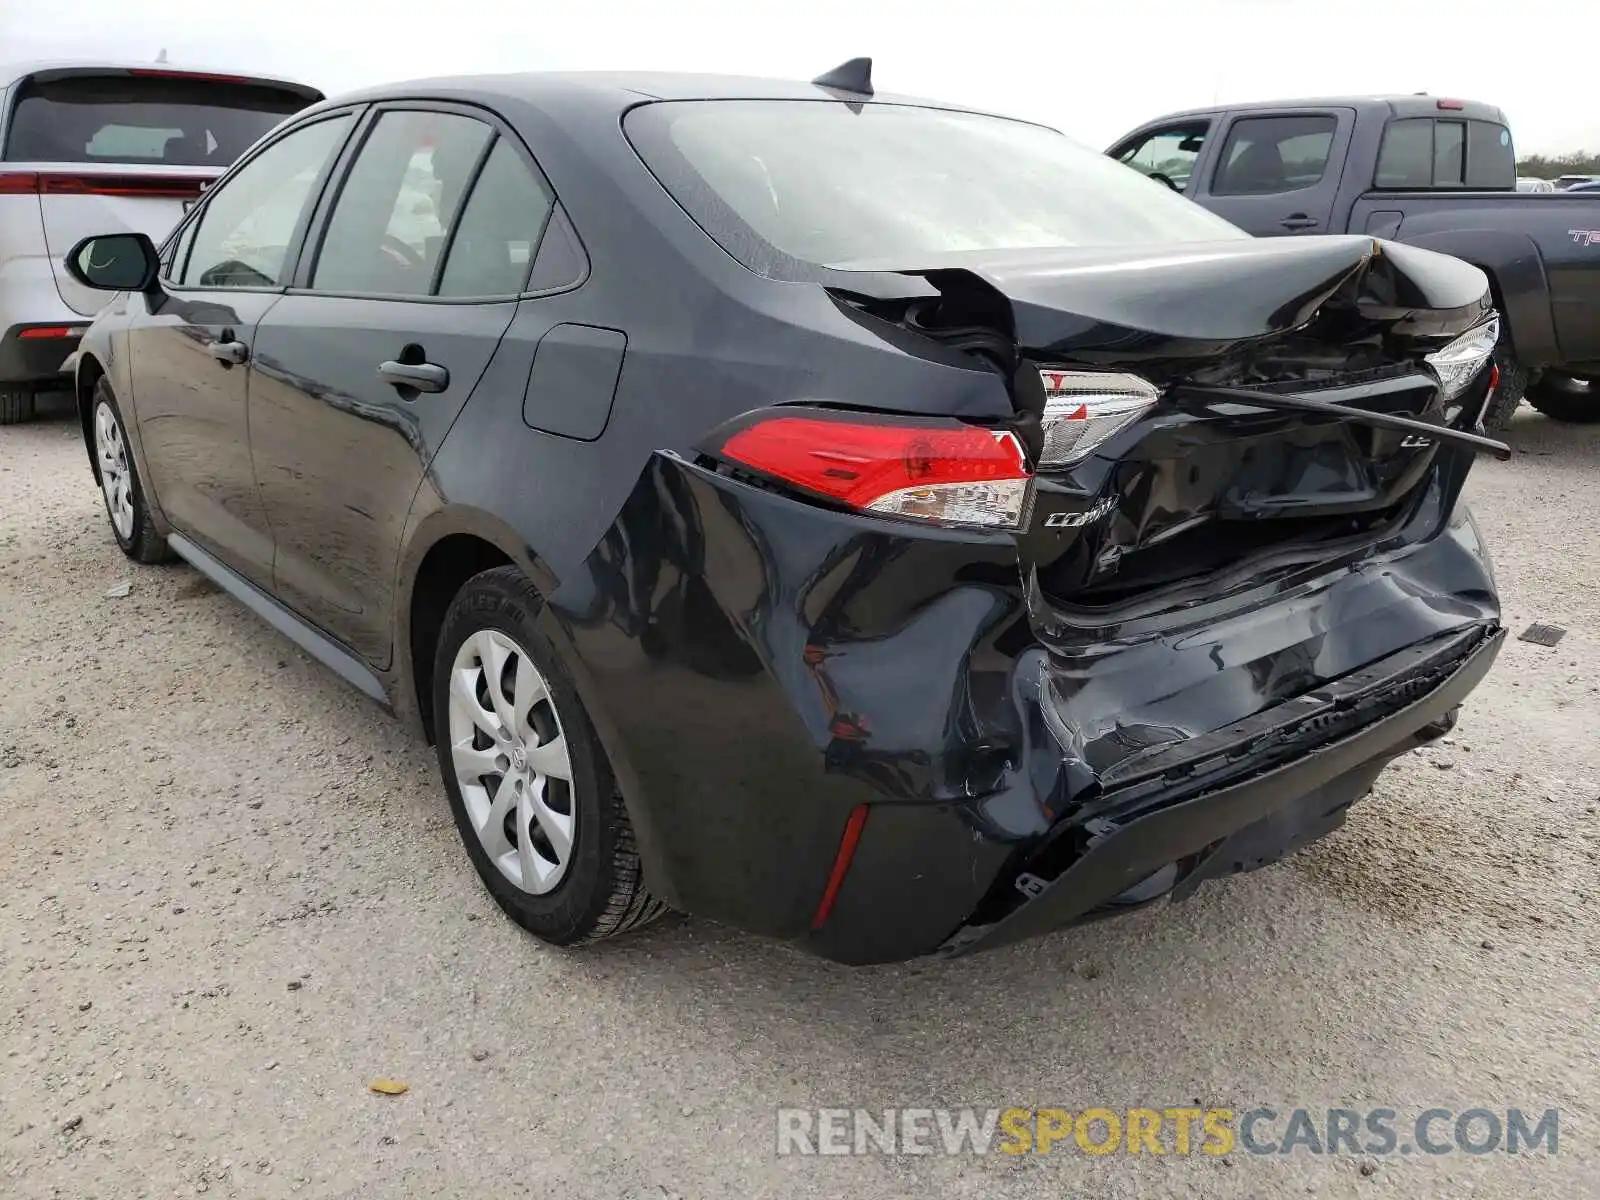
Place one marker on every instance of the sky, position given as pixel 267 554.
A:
pixel 1091 70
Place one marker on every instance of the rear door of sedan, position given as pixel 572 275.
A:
pixel 409 280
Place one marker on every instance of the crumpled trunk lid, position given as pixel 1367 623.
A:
pixel 1212 560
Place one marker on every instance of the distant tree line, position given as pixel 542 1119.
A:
pixel 1579 162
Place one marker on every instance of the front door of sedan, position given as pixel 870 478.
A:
pixel 363 366
pixel 190 345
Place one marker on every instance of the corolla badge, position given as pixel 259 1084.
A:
pixel 1076 520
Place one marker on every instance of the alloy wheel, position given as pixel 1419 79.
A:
pixel 511 761
pixel 116 480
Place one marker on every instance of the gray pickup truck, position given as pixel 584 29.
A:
pixel 1431 172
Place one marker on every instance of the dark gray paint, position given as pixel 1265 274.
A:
pixel 343 664
pixel 574 380
pixel 834 659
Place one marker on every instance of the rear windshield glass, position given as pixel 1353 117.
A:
pixel 142 120
pixel 1424 152
pixel 783 185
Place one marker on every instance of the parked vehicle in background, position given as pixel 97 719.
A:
pixel 1429 172
pixel 870 523
pixel 1526 184
pixel 1564 182
pixel 89 147
pixel 1592 185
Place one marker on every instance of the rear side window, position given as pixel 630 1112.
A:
pixel 143 120
pixel 389 223
pixel 1423 153
pixel 493 243
pixel 1264 155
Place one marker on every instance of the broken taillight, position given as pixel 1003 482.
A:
pixel 939 471
pixel 1458 363
pixel 1085 409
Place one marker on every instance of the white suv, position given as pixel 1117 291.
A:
pixel 92 147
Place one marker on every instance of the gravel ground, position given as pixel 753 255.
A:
pixel 231 897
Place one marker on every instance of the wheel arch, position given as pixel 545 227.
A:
pixel 446 549
pixel 85 378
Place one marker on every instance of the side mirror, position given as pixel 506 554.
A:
pixel 115 262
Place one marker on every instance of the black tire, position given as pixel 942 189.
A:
pixel 16 404
pixel 1508 396
pixel 602 893
pixel 143 543
pixel 1565 398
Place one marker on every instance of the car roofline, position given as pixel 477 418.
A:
pixel 626 89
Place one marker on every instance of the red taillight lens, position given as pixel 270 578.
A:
pixel 53 331
pixel 48 183
pixel 944 472
pixel 162 187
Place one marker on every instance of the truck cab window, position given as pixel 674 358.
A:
pixel 1167 155
pixel 1264 155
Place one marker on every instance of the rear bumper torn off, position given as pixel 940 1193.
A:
pixel 1246 823
pixel 760 669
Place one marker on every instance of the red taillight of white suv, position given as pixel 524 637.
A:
pixel 67 183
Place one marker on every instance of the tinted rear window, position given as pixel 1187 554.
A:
pixel 786 185
pixel 142 120
pixel 1422 152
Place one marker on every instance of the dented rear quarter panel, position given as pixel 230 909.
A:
pixel 764 666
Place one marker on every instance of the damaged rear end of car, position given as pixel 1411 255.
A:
pixel 1162 615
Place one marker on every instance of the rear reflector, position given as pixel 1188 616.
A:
pixel 56 183
pixel 53 331
pixel 841 864
pixel 937 471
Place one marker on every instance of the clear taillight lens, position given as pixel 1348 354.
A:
pixel 1458 364
pixel 926 470
pixel 1084 409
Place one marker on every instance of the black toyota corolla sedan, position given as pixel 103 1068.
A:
pixel 871 523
